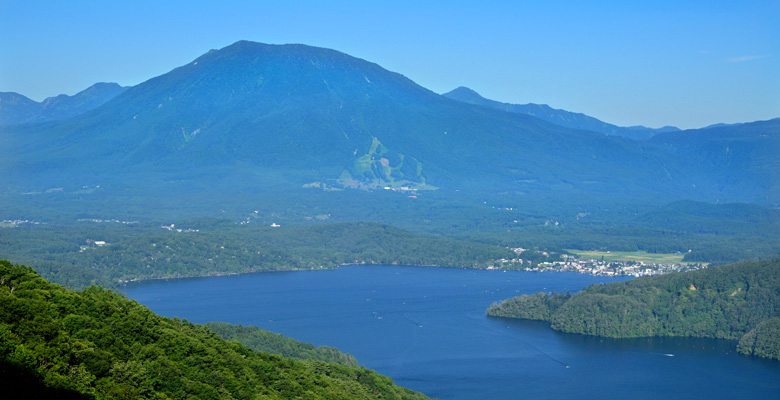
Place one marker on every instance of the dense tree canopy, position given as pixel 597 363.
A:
pixel 763 340
pixel 68 255
pixel 262 340
pixel 733 301
pixel 97 344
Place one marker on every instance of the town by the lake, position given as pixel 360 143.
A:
pixel 593 266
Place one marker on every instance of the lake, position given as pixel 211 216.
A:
pixel 427 329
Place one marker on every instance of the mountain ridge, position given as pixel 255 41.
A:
pixel 560 117
pixel 18 109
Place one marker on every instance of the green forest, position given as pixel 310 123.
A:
pixel 96 344
pixel 738 301
pixel 69 255
pixel 275 343
pixel 715 233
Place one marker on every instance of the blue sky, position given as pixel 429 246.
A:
pixel 683 63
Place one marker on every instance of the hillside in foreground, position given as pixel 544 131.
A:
pixel 58 343
pixel 737 301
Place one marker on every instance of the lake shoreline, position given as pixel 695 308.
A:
pixel 130 282
pixel 427 330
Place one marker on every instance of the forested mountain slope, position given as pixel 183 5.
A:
pixel 97 344
pixel 262 340
pixel 746 153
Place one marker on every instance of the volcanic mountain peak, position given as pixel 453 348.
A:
pixel 301 114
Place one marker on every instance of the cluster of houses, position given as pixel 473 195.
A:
pixel 91 244
pixel 173 228
pixel 14 222
pixel 615 268
pixel 596 267
pixel 108 221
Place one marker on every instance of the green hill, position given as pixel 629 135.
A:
pixel 735 301
pixel 97 344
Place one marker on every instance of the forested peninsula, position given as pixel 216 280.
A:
pixel 96 344
pixel 738 301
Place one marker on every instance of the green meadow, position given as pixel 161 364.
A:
pixel 643 256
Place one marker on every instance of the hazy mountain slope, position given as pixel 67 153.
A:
pixel 729 219
pixel 744 157
pixel 17 109
pixel 252 114
pixel 560 117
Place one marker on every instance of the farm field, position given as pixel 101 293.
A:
pixel 643 256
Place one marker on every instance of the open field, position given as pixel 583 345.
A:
pixel 650 258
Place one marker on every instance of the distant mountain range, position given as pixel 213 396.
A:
pixel 559 117
pixel 252 114
pixel 18 109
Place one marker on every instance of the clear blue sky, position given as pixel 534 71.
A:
pixel 683 63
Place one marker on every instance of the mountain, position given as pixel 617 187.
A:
pixel 253 116
pixel 17 109
pixel 560 117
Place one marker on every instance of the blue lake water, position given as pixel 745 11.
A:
pixel 427 329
